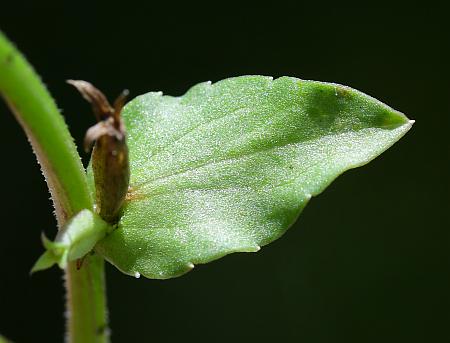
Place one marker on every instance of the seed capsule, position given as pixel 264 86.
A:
pixel 109 158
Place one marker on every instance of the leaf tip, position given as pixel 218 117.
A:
pixel 44 262
pixel 395 119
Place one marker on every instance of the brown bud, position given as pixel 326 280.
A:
pixel 109 158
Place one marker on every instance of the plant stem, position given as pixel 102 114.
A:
pixel 86 301
pixel 55 150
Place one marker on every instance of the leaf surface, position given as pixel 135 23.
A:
pixel 229 166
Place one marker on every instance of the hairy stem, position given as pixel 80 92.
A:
pixel 55 150
pixel 86 316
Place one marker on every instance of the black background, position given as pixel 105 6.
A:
pixel 368 261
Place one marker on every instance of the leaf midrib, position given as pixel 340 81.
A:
pixel 136 188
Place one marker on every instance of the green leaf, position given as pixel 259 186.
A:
pixel 77 238
pixel 4 340
pixel 229 166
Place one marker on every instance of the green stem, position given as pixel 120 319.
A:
pixel 53 145
pixel 87 317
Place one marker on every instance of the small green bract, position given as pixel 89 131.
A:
pixel 76 239
pixel 228 167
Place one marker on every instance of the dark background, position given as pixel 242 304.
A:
pixel 368 261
